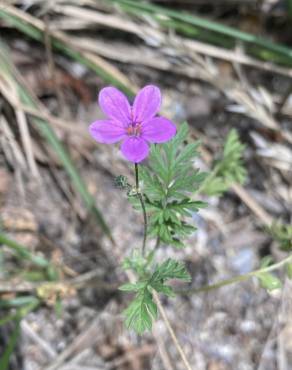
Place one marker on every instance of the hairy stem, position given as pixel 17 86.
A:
pixel 238 278
pixel 140 196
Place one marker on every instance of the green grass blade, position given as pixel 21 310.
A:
pixel 289 8
pixel 28 26
pixel 17 317
pixel 262 47
pixel 23 251
pixel 49 135
pixel 72 172
pixel 21 312
pixel 26 301
pixel 11 317
pixel 5 358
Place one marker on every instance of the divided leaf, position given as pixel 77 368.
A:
pixel 269 281
pixel 227 170
pixel 168 182
pixel 142 310
pixel 283 234
pixel 170 269
pixel 133 287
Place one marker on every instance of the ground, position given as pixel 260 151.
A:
pixel 239 326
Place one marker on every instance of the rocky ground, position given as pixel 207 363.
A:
pixel 238 327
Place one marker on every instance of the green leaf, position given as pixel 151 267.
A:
pixel 140 313
pixel 167 185
pixel 288 268
pixel 181 135
pixel 162 288
pixel 135 262
pixel 228 169
pixel 170 269
pixel 231 167
pixel 215 186
pixel 269 281
pixel 142 310
pixel 186 206
pixel 133 287
pixel 266 261
pixel 283 234
pixel 121 182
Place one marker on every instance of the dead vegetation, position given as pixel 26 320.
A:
pixel 55 56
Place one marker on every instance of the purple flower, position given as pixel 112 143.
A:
pixel 135 125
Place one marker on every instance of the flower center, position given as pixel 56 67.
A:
pixel 134 129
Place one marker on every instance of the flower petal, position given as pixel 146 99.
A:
pixel 135 149
pixel 158 130
pixel 107 131
pixel 115 104
pixel 146 104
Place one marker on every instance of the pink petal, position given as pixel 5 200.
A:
pixel 147 103
pixel 158 130
pixel 107 131
pixel 135 149
pixel 115 104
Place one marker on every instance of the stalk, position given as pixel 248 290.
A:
pixel 140 196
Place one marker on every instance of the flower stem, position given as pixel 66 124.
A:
pixel 140 196
pixel 137 176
